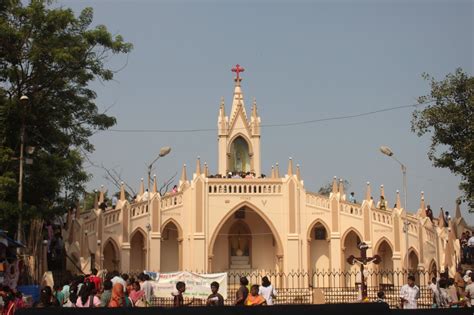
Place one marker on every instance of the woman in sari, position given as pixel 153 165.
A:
pixel 255 299
pixel 118 298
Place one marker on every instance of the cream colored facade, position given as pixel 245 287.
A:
pixel 220 224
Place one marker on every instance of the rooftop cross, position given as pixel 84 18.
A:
pixel 237 69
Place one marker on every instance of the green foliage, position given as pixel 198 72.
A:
pixel 51 56
pixel 450 121
pixel 327 188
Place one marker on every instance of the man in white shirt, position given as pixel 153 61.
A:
pixel 409 294
pixel 434 289
pixel 470 290
pixel 146 286
pixel 118 279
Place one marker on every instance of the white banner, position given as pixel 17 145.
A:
pixel 197 285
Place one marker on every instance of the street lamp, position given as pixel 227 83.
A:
pixel 163 152
pixel 388 152
pixel 24 101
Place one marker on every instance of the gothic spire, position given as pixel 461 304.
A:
pixel 341 187
pixel 183 174
pixel 155 184
pixel 368 194
pixel 122 191
pixel 198 166
pixel 422 211
pixel 290 167
pixel 334 185
pixel 398 203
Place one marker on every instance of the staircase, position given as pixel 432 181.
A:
pixel 240 263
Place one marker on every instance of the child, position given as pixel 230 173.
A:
pixel 178 298
pixel 58 294
pixel 215 299
pixel 380 297
pixel 253 299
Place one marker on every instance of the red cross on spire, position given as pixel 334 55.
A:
pixel 237 69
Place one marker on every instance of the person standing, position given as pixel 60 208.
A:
pixel 435 290
pixel 105 297
pixel 178 298
pixel 242 292
pixel 267 290
pixel 352 198
pixel 95 279
pixel 114 201
pixel 146 286
pixel 254 299
pixel 46 298
pixel 215 299
pixel 118 298
pixel 136 295
pixel 409 294
pixel 470 289
pixel 9 305
pixel 87 296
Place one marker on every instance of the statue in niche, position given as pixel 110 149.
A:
pixel 240 155
pixel 239 240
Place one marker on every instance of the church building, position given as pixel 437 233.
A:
pixel 233 222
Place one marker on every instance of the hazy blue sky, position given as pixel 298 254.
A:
pixel 303 60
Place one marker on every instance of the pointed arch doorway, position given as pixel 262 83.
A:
pixel 245 240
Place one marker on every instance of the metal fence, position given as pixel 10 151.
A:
pixel 327 287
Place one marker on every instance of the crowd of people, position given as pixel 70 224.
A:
pixel 121 290
pixel 453 292
pixel 467 247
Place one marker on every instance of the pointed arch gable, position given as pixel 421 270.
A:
pixel 243 136
pixel 343 238
pixel 432 264
pixel 262 215
pixel 243 116
pixel 313 224
pixel 114 245
pixel 379 243
pixel 173 221
pixel 414 250
pixel 138 230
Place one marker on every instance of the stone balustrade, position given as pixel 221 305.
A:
pixel 244 186
pixel 139 209
pixel 171 200
pixel 351 208
pixel 382 216
pixel 316 200
pixel 112 217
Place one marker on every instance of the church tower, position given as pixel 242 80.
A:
pixel 238 136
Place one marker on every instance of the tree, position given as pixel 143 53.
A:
pixel 51 56
pixel 449 118
pixel 327 188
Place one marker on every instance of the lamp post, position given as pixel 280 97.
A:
pixel 24 101
pixel 163 152
pixel 388 152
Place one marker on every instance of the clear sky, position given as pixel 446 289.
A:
pixel 304 60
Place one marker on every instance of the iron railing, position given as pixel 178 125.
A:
pixel 329 287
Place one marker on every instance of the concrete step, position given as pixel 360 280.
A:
pixel 239 267
pixel 239 258
pixel 240 262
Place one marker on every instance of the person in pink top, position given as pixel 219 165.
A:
pixel 87 297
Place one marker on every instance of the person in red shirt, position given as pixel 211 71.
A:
pixel 96 280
